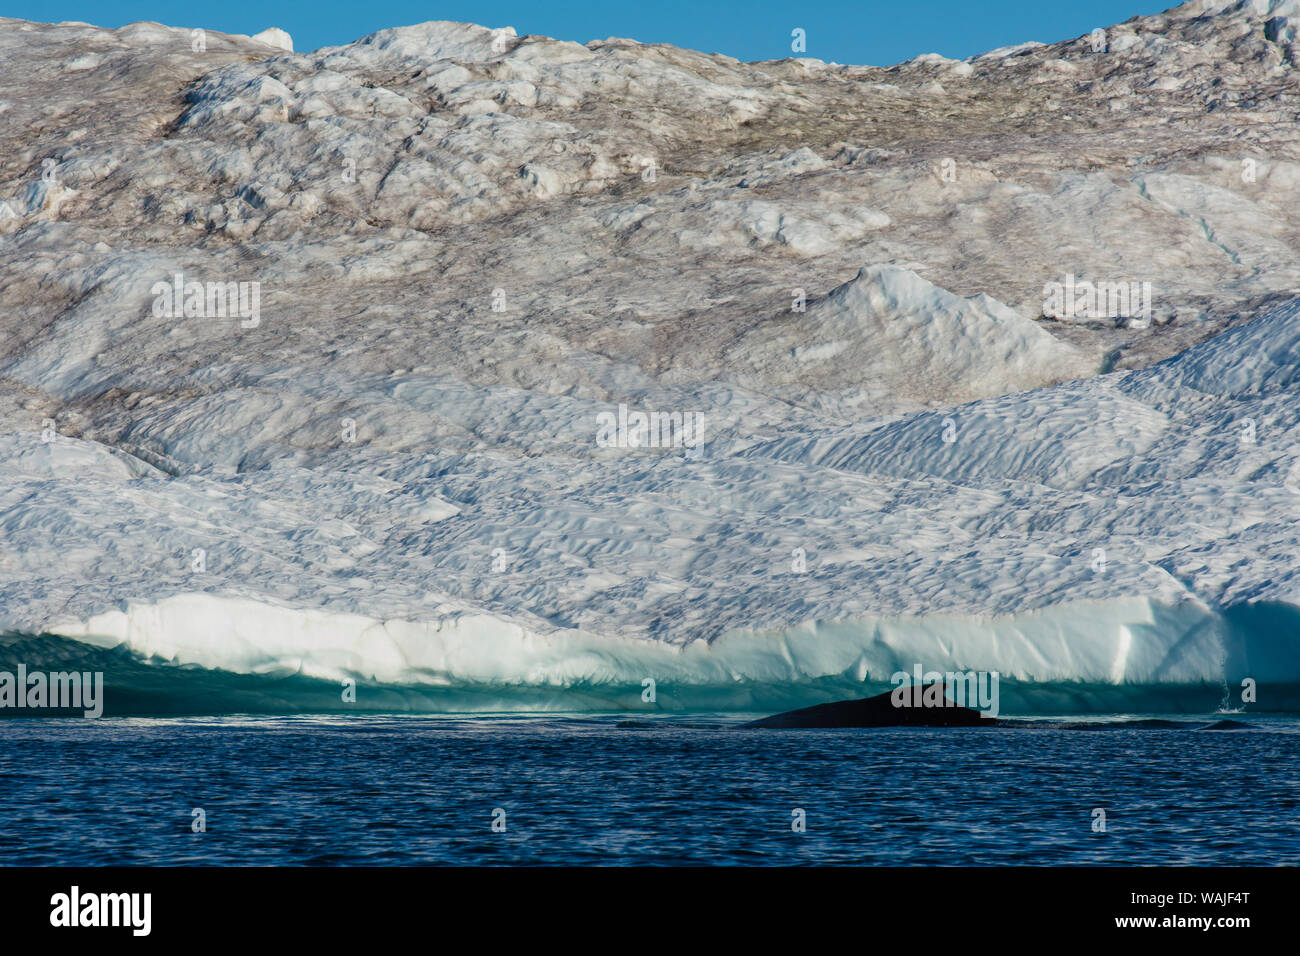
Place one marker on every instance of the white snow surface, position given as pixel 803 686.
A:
pixel 275 37
pixel 470 246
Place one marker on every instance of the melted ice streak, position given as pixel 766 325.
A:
pixel 958 484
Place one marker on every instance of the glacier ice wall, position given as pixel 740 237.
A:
pixel 471 248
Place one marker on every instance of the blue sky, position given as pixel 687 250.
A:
pixel 878 32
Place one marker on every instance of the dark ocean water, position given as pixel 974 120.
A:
pixel 603 790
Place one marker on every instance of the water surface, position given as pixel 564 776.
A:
pixel 647 791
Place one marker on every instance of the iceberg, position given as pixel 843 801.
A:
pixel 468 250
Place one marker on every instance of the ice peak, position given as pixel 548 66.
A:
pixel 275 37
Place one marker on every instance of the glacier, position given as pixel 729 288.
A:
pixel 471 245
